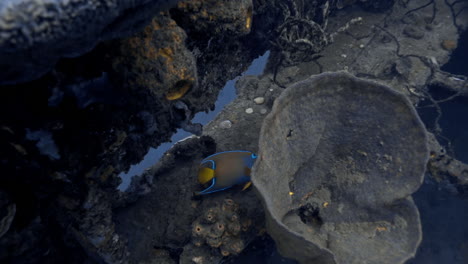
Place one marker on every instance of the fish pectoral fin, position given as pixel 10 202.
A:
pixel 247 185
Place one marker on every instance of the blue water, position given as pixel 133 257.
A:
pixel 443 207
pixel 444 216
pixel 453 121
pixel 227 95
pixel 458 60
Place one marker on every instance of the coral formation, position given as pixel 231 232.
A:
pixel 35 34
pixel 92 117
pixel 157 59
pixel 220 227
pixel 303 32
pixel 442 165
pixel 234 27
pixel 216 17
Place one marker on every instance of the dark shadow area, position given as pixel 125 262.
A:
pixel 444 222
pixel 444 212
pixel 458 63
pixel 453 116
pixel 261 250
pixel 453 121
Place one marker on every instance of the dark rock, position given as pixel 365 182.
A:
pixel 444 167
pixel 160 256
pixel 449 44
pixel 198 255
pixel 370 5
pixel 35 34
pixel 158 60
pixel 215 17
pixel 225 221
pixel 413 32
pixel 82 124
pixel 377 5
pixel 95 230
pixel 30 244
pixel 230 45
pixel 403 67
pixel 7 213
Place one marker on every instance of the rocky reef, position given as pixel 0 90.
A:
pixel 88 88
pixel 36 34
pixel 66 136
pixel 220 227
pixel 157 59
pixel 196 226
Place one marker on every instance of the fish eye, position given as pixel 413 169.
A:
pixel 254 156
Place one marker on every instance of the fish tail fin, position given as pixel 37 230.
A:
pixel 246 186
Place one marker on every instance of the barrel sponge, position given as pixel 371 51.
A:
pixel 339 159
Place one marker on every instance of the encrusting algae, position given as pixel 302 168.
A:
pixel 157 59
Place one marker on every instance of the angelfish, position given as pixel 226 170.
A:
pixel 225 169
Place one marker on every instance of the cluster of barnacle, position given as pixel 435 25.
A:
pixel 220 227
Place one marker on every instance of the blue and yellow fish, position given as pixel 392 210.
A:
pixel 225 169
